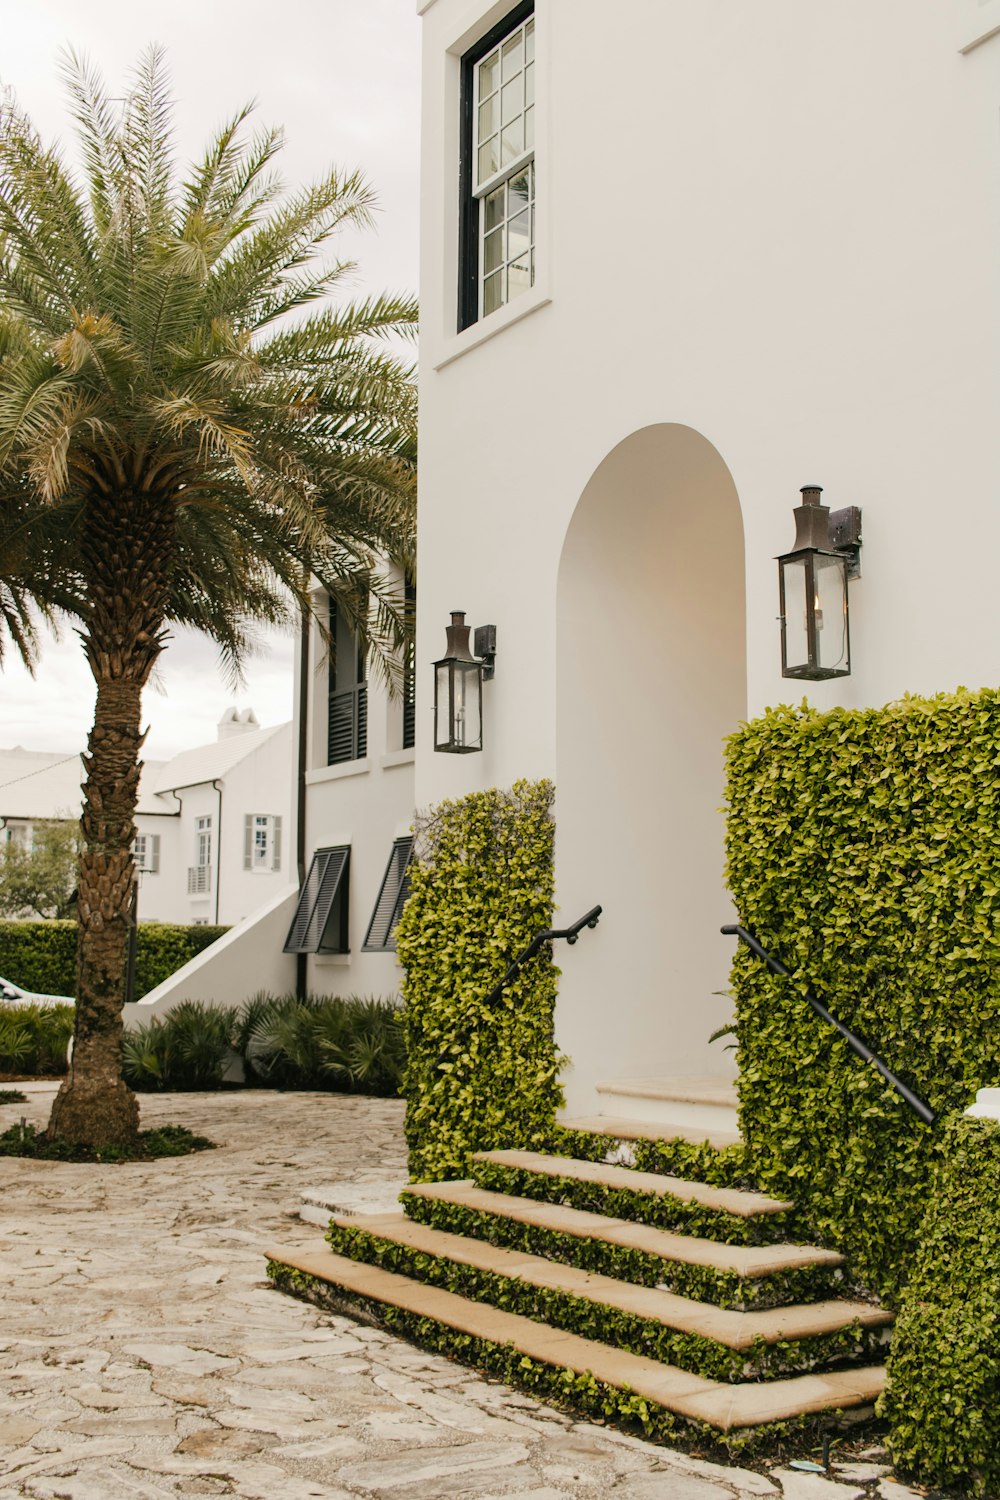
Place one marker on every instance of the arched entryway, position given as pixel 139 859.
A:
pixel 651 676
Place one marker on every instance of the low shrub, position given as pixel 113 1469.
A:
pixel 340 1044
pixel 34 1038
pixel 167 1140
pixel 188 1049
pixel 353 1044
pixel 41 956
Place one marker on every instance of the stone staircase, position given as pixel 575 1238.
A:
pixel 629 1293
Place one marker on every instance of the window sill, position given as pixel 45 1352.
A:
pixel 396 758
pixel 338 772
pixel 973 31
pixel 488 328
pixel 333 960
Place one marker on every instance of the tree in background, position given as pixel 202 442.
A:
pixel 40 881
pixel 190 429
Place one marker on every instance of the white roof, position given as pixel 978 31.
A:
pixel 40 784
pixel 211 762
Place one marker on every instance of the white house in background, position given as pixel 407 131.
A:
pixel 679 259
pixel 231 803
pixel 44 786
pixel 211 824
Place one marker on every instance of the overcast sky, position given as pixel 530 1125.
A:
pixel 342 77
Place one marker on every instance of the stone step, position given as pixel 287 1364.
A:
pixel 732 1201
pixel 695 1103
pixel 627 1128
pixel 649 1312
pixel 728 1274
pixel 722 1406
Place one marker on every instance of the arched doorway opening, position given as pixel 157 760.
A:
pixel 651 676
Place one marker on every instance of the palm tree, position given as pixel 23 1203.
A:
pixel 192 431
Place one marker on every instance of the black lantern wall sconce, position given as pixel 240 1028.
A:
pixel 812 579
pixel 458 687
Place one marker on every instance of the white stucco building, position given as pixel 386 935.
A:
pixel 681 258
pixel 212 824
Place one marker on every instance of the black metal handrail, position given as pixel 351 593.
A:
pixel 538 942
pixel 856 1044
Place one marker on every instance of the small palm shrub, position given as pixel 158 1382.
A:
pixel 346 1045
pixel 34 1038
pixel 188 1049
pixel 351 1045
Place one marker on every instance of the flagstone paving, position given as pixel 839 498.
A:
pixel 143 1355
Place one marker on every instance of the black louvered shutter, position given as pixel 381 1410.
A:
pixel 392 895
pixel 320 924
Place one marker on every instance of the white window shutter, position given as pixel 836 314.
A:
pixel 153 854
pixel 248 841
pixel 276 858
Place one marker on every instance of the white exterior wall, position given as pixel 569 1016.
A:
pixel 244 962
pixel 262 782
pixel 367 804
pixel 162 895
pixel 778 227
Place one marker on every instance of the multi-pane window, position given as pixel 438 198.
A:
pixel 146 853
pixel 499 168
pixel 261 842
pixel 203 842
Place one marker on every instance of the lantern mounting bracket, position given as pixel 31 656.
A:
pixel 484 645
pixel 845 534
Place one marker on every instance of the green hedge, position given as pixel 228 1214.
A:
pixel 42 955
pixel 863 849
pixel 943 1395
pixel 478 1077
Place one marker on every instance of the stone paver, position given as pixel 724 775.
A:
pixel 142 1353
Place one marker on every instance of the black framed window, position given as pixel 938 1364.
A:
pixel 347 724
pixel 497 250
pixel 320 924
pixel 395 887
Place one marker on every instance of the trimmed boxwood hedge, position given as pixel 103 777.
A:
pixel 41 956
pixel 478 1076
pixel 863 850
pixel 943 1394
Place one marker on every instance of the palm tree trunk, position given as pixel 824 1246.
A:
pixel 94 1106
pixel 125 547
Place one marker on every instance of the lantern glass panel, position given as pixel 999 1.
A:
pixel 468 714
pixel 795 573
pixel 442 706
pixel 830 597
